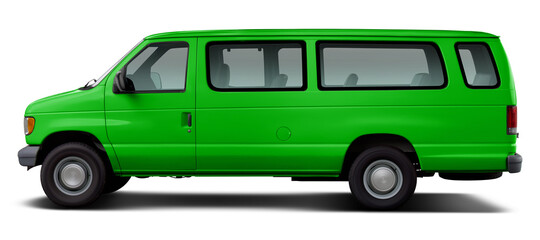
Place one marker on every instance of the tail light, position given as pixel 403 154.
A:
pixel 511 120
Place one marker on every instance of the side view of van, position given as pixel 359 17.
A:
pixel 376 108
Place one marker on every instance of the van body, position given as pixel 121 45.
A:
pixel 377 108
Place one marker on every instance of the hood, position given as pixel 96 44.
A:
pixel 71 101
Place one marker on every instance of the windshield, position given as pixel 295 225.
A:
pixel 113 66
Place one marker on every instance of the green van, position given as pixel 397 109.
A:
pixel 376 108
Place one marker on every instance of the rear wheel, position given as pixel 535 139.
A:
pixel 382 178
pixel 73 175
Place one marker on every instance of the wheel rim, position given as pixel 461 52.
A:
pixel 72 176
pixel 383 179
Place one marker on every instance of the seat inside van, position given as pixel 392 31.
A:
pixel 156 78
pixel 421 79
pixel 223 76
pixel 280 81
pixel 484 79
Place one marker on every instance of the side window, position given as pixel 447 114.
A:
pixel 256 66
pixel 349 65
pixel 477 65
pixel 290 64
pixel 159 67
pixel 246 68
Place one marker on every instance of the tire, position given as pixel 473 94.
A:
pixel 382 178
pixel 114 183
pixel 73 175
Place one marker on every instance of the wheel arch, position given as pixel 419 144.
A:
pixel 56 139
pixel 364 142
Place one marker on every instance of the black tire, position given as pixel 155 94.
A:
pixel 73 175
pixel 114 183
pixel 393 176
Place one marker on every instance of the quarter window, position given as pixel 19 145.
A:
pixel 379 65
pixel 256 66
pixel 477 65
pixel 159 67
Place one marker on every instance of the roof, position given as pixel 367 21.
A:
pixel 325 32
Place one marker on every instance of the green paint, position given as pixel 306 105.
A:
pixel 244 133
pixel 283 133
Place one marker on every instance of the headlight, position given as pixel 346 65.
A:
pixel 29 123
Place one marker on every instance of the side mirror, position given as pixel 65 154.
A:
pixel 122 84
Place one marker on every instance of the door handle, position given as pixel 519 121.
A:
pixel 189 119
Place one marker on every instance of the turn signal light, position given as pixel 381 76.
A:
pixel 29 123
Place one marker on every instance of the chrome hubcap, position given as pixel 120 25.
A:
pixel 383 179
pixel 72 176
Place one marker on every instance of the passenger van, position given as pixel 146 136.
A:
pixel 376 108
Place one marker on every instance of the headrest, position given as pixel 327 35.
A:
pixel 352 80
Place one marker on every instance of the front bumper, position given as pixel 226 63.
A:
pixel 513 163
pixel 28 156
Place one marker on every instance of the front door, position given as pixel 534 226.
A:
pixel 150 129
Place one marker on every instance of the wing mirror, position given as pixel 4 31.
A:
pixel 123 84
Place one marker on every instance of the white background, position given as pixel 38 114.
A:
pixel 49 47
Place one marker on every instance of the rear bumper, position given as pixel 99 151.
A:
pixel 513 163
pixel 28 156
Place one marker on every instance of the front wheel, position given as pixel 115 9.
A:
pixel 73 175
pixel 382 178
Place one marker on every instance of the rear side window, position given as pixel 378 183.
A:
pixel 256 66
pixel 364 65
pixel 159 67
pixel 477 65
